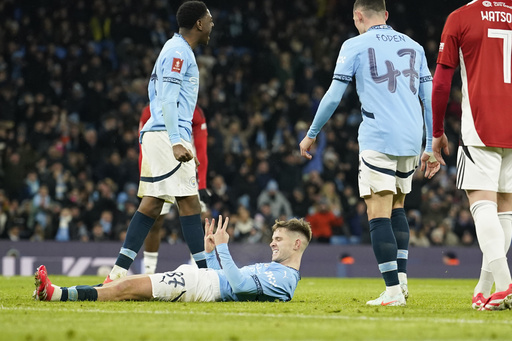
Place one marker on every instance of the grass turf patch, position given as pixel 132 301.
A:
pixel 322 309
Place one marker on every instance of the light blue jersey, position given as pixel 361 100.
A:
pixel 391 75
pixel 256 282
pixel 173 89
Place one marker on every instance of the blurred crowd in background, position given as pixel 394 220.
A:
pixel 73 82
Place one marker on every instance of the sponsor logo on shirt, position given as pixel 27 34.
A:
pixel 441 47
pixel 502 4
pixel 342 78
pixel 171 80
pixel 176 65
pixel 487 3
pixel 341 59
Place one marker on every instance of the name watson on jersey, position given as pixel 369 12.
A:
pixel 497 16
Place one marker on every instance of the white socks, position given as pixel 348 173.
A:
pixel 402 277
pixel 491 235
pixel 506 223
pixel 150 261
pixel 393 290
pixel 57 293
pixel 117 272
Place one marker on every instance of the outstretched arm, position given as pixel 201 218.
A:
pixel 327 106
pixel 239 282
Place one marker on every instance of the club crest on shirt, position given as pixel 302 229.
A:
pixel 193 181
pixel 176 65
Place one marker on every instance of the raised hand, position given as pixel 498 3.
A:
pixel 209 239
pixel 221 235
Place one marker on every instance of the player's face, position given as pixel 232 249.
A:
pixel 207 25
pixel 282 245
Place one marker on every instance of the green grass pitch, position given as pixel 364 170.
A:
pixel 322 309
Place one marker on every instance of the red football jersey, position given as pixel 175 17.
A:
pixel 478 37
pixel 200 136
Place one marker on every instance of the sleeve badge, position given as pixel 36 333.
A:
pixel 176 65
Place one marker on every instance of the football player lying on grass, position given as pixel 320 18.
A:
pixel 222 281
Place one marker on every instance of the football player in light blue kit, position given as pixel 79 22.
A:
pixel 392 76
pixel 222 281
pixel 168 171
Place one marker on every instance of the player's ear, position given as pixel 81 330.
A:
pixel 386 15
pixel 359 15
pixel 199 24
pixel 297 244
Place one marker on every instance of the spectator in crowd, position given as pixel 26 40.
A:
pixel 245 228
pixel 323 221
pixel 278 203
pixel 464 228
pixel 66 85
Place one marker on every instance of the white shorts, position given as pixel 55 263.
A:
pixel 382 172
pixel 161 175
pixel 187 283
pixel 484 168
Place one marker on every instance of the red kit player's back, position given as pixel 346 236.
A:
pixel 478 37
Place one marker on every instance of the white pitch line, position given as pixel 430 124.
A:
pixel 303 316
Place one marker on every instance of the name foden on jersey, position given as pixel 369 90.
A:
pixel 393 38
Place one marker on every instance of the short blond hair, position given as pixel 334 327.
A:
pixel 295 225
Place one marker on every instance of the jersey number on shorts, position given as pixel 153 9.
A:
pixel 173 278
pixel 391 75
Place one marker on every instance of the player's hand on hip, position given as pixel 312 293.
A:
pixel 429 164
pixel 305 146
pixel 221 235
pixel 181 153
pixel 440 144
